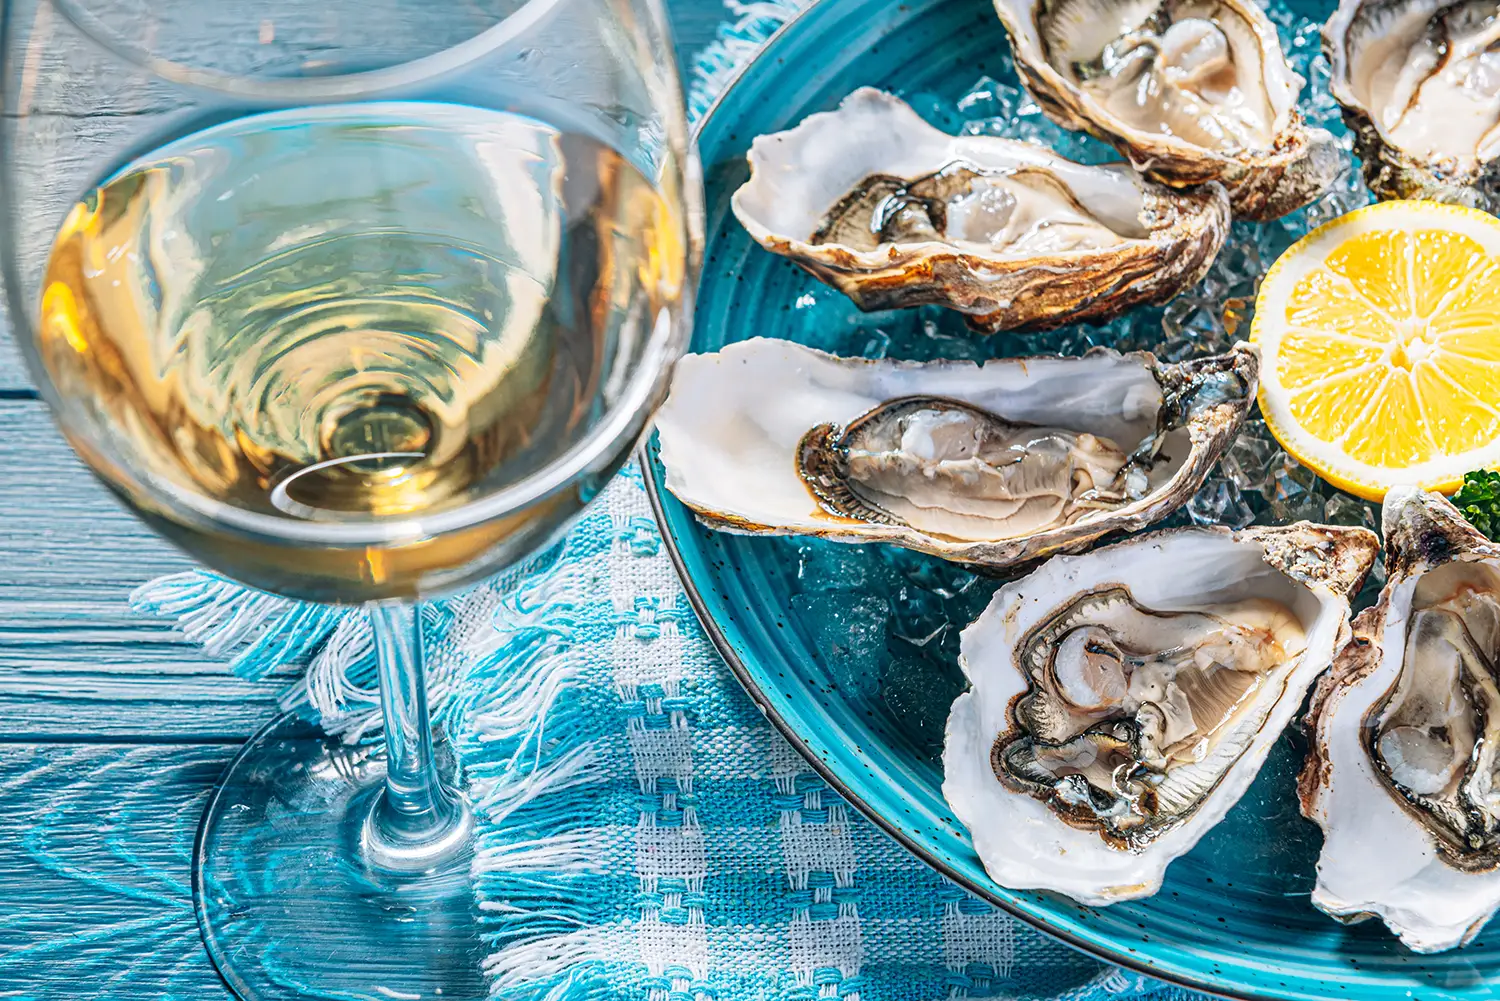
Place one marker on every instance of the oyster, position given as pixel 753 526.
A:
pixel 1404 772
pixel 1123 700
pixel 995 464
pixel 892 212
pixel 1419 81
pixel 1189 90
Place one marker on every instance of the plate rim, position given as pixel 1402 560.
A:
pixel 651 469
pixel 650 466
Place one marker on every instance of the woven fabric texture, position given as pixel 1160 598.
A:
pixel 643 831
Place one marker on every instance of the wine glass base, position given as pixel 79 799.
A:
pixel 286 903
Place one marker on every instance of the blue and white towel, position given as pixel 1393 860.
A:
pixel 644 833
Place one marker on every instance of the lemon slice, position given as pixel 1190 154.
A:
pixel 1379 335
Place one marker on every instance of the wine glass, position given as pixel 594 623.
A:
pixel 356 301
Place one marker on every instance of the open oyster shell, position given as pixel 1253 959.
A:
pixel 995 464
pixel 893 212
pixel 1419 81
pixel 1190 90
pixel 1123 700
pixel 1404 772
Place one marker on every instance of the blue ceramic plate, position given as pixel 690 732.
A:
pixel 850 650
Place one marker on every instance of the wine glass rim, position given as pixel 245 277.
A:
pixel 333 87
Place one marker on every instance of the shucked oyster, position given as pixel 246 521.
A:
pixel 996 463
pixel 1189 90
pixel 892 212
pixel 1419 81
pixel 1122 701
pixel 958 471
pixel 1404 774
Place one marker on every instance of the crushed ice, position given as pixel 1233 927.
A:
pixel 886 620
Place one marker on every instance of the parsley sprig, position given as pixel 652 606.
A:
pixel 1479 500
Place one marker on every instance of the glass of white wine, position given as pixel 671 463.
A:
pixel 356 301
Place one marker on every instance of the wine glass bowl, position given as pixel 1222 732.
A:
pixel 365 350
pixel 354 306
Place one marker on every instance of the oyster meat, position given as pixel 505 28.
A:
pixel 1404 772
pixel 1190 90
pixel 893 212
pixel 1123 700
pixel 996 464
pixel 1419 82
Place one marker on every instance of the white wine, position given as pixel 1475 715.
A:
pixel 354 315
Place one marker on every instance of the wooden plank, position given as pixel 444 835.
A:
pixel 13 374
pixel 74 659
pixel 96 839
pixel 85 112
pixel 95 869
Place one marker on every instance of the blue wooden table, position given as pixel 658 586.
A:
pixel 113 728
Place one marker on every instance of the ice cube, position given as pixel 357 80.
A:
pixel 847 629
pixel 1343 509
pixel 1218 502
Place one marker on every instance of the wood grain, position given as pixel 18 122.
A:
pixel 13 374
pixel 95 849
pixel 74 659
pixel 86 116
pixel 96 836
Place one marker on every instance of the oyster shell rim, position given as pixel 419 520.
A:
pixel 1253 178
pixel 1186 229
pixel 1210 431
pixel 1363 655
pixel 929 834
pixel 1391 172
pixel 1341 576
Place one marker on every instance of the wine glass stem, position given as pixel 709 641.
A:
pixel 416 821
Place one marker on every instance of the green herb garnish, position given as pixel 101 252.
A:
pixel 1479 500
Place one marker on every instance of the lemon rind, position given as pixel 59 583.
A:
pixel 1353 476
